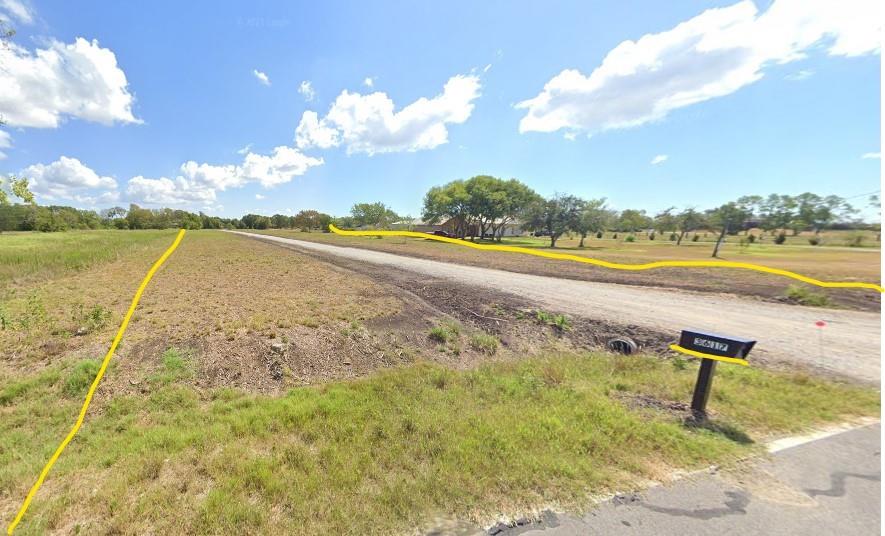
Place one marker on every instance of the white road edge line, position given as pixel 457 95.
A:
pixel 823 433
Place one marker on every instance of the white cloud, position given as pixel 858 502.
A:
pixel 369 81
pixel 79 80
pixel 70 179
pixel 259 197
pixel 245 149
pixel 368 123
pixel 711 55
pixel 20 10
pixel 5 143
pixel 869 156
pixel 798 76
pixel 261 77
pixel 306 89
pixel 486 68
pixel 281 166
pixel 165 191
pixel 570 136
pixel 659 159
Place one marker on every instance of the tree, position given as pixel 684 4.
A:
pixel 554 216
pixel 688 220
pixel 515 202
pixel 728 217
pixel 777 212
pixel 666 222
pixel 633 220
pixel 376 215
pixel 593 217
pixel 449 201
pixel 817 212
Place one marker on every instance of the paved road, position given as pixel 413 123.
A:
pixel 848 346
pixel 828 486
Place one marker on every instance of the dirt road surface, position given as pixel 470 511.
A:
pixel 847 346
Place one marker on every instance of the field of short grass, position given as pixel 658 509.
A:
pixel 378 415
pixel 826 263
pixel 25 256
pixel 386 453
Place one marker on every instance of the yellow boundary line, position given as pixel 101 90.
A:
pixel 617 265
pixel 95 382
pixel 702 355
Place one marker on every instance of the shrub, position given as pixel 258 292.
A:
pixel 444 332
pixel 598 234
pixel 562 323
pixel 695 238
pixel 814 240
pixel 630 238
pixel 780 238
pixel 485 343
pixel 673 237
pixel 804 296
pixel 615 236
pixel 751 238
pixel 651 236
pixel 439 334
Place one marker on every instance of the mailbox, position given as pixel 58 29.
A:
pixel 715 344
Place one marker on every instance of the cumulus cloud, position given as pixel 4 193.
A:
pixel 18 10
pixel 659 159
pixel 79 79
pixel 711 55
pixel 865 156
pixel 306 89
pixel 5 143
pixel 195 185
pixel 259 197
pixel 69 179
pixel 261 77
pixel 368 123
pixel 165 191
pixel 369 81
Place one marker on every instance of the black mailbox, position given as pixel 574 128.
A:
pixel 714 344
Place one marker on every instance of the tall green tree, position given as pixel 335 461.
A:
pixel 377 215
pixel 687 221
pixel 594 217
pixel 449 201
pixel 554 216
pixel 728 218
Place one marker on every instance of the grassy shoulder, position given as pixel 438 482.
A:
pixel 387 452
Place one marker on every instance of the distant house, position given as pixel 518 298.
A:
pixel 511 228
pixel 417 225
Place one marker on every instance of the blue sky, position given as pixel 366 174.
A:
pixel 751 98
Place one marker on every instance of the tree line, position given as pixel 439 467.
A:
pixel 479 207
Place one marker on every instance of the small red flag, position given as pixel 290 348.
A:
pixel 820 323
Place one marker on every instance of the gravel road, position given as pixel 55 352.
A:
pixel 847 346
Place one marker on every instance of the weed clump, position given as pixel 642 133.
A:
pixel 802 295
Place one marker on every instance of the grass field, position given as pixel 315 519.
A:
pixel 29 255
pixel 826 263
pixel 381 414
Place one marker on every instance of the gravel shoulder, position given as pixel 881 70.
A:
pixel 848 346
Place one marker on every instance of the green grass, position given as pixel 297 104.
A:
pixel 804 296
pixel 388 452
pixel 42 254
pixel 484 342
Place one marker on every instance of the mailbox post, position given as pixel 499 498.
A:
pixel 711 347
